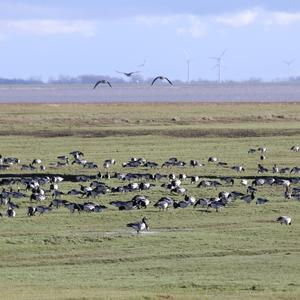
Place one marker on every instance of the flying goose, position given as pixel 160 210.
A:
pixel 128 74
pixel 162 78
pixel 139 226
pixel 101 81
pixel 284 220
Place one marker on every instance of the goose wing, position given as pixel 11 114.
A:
pixel 155 79
pixel 169 80
pixel 97 83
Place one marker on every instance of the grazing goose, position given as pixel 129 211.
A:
pixel 139 226
pixel 42 209
pixel 10 213
pixel 284 220
pixel 244 182
pixel 140 201
pixel 238 168
pixel 262 149
pixel 203 202
pixel 295 148
pixel 164 203
pixel 161 78
pixel 36 161
pixel 260 201
pixel 212 159
pixel 248 198
pixel 101 81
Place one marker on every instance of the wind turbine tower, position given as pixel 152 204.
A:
pixel 219 64
pixel 188 61
pixel 289 63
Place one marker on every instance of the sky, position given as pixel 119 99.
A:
pixel 49 38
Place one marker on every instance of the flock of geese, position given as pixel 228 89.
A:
pixel 40 188
pixel 104 81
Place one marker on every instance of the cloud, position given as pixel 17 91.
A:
pixel 194 27
pixel 284 18
pixel 47 27
pixel 239 19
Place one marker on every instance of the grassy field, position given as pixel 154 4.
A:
pixel 238 253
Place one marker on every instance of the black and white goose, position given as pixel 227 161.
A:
pixel 284 220
pixel 139 226
pixel 102 81
pixel 128 74
pixel 161 78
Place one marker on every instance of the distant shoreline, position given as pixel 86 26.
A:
pixel 140 93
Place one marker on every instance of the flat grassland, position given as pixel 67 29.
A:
pixel 237 253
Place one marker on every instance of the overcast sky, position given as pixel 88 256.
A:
pixel 48 38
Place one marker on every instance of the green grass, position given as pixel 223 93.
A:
pixel 238 253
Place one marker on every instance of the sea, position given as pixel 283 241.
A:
pixel 122 93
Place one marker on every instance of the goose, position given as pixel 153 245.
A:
pixel 74 206
pixel 262 149
pixel 216 204
pixel 195 163
pixel 108 163
pixel 63 157
pixel 164 203
pixel 203 202
pixel 244 182
pixel 287 193
pixel 295 170
pixel 212 159
pixel 295 148
pixel 275 169
pixel 194 179
pixel 251 150
pixel 284 220
pixel 128 74
pixel 260 201
pixel 58 202
pixel 17 194
pixel 11 204
pixel 36 161
pixel 31 211
pixel 139 226
pixel 101 81
pixel 262 157
pixel 182 176
pixel 238 168
pixel 10 213
pixel 161 78
pixel 123 205
pixel 222 164
pixel 180 204
pixel 42 209
pixel 261 169
pixel 42 167
pixel 140 201
pixel 248 198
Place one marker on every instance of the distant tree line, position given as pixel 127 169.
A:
pixel 90 79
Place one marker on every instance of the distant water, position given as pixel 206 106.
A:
pixel 268 92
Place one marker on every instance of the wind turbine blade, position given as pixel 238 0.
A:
pixel 221 55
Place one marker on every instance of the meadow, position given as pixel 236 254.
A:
pixel 237 253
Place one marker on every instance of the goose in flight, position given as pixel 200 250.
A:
pixel 129 74
pixel 101 81
pixel 161 78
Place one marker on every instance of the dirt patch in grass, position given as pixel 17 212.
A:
pixel 176 132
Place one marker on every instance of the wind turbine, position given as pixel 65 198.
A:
pixel 188 61
pixel 289 63
pixel 219 65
